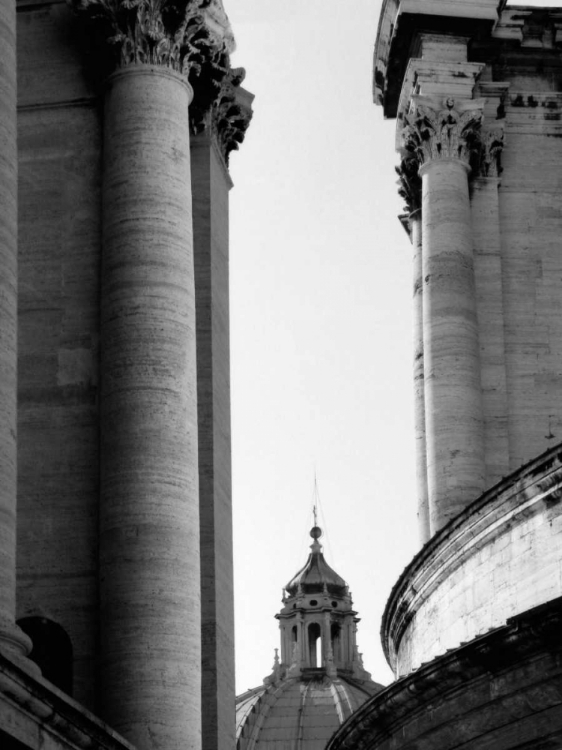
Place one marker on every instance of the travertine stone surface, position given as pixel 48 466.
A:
pixel 149 515
pixel 12 641
pixel 489 296
pixel 497 559
pixel 210 186
pixel 59 252
pixel 453 399
pixel 529 205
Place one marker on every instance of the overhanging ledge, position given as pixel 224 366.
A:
pixel 399 25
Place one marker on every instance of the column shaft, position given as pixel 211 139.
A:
pixel 419 385
pixel 149 519
pixel 453 398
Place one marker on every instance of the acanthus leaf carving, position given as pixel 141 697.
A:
pixel 184 35
pixel 443 129
pixel 409 182
pixel 230 114
pixel 491 149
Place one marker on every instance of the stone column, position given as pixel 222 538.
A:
pixel 410 190
pixel 443 140
pixel 13 642
pixel 149 520
pixel 150 634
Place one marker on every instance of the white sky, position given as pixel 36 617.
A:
pixel 321 285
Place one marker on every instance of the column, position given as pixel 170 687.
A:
pixel 443 140
pixel 13 642
pixel 216 135
pixel 150 617
pixel 149 520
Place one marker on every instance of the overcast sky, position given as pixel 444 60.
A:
pixel 321 283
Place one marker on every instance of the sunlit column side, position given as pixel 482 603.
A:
pixel 410 190
pixel 443 139
pixel 13 642
pixel 150 635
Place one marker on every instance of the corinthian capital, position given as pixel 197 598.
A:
pixel 184 35
pixel 443 129
pixel 229 116
pixel 409 183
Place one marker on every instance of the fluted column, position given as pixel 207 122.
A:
pixel 13 642
pixel 150 634
pixel 443 140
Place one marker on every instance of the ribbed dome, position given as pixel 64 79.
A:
pixel 316 573
pixel 298 713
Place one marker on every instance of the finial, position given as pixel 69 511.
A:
pixel 315 531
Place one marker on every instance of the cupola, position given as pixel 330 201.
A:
pixel 319 680
pixel 317 621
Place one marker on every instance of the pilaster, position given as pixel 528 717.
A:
pixel 485 204
pixel 217 133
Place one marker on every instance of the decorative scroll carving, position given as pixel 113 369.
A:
pixel 409 183
pixel 446 129
pixel 230 114
pixel 188 36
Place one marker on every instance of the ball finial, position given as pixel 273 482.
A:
pixel 316 532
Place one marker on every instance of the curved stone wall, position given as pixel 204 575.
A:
pixel 498 558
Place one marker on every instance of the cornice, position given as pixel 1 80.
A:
pixel 523 638
pixel 525 492
pixel 46 711
pixel 399 23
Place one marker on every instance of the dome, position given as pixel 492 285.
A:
pixel 298 713
pixel 316 573
pixel 319 680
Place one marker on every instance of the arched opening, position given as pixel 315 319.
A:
pixel 52 650
pixel 314 645
pixel 294 636
pixel 335 637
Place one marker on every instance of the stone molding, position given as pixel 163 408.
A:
pixel 438 129
pixel 184 35
pixel 42 715
pixel 395 716
pixel 529 492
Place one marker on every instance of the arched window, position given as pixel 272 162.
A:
pixel 52 650
pixel 294 636
pixel 315 645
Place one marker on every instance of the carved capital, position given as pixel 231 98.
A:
pixel 229 116
pixel 443 129
pixel 491 148
pixel 409 183
pixel 188 36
